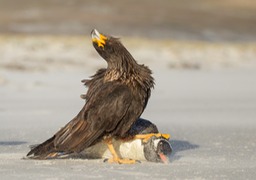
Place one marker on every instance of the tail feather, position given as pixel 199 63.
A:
pixel 41 151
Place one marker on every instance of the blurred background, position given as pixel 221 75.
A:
pixel 211 20
pixel 178 34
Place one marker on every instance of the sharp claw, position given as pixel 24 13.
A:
pixel 166 136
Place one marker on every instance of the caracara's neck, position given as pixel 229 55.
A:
pixel 132 74
pixel 122 61
pixel 122 67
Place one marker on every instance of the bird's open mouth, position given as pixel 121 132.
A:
pixel 164 158
pixel 98 38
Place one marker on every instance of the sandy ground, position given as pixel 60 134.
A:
pixel 210 115
pixel 209 109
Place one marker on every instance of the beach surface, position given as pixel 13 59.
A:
pixel 205 97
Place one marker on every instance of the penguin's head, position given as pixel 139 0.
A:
pixel 158 149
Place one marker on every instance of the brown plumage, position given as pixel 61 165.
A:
pixel 115 99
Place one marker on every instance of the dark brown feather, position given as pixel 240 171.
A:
pixel 115 99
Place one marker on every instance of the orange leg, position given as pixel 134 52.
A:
pixel 115 158
pixel 146 137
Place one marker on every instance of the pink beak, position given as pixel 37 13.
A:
pixel 164 159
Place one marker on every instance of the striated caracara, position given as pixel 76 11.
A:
pixel 116 98
pixel 156 149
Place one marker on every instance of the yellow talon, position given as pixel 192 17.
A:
pixel 146 137
pixel 121 161
pixel 115 158
pixel 166 136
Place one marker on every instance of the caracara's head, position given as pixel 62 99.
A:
pixel 108 47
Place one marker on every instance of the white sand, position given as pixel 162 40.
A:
pixel 210 113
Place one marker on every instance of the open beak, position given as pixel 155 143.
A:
pixel 98 38
pixel 164 158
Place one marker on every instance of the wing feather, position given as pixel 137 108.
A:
pixel 100 115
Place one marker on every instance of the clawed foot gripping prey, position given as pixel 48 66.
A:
pixel 115 158
pixel 146 137
pixel 161 149
pixel 115 99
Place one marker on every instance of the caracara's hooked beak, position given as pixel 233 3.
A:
pixel 98 38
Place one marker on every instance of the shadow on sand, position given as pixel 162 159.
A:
pixel 12 143
pixel 178 145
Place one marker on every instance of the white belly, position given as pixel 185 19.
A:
pixel 131 150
